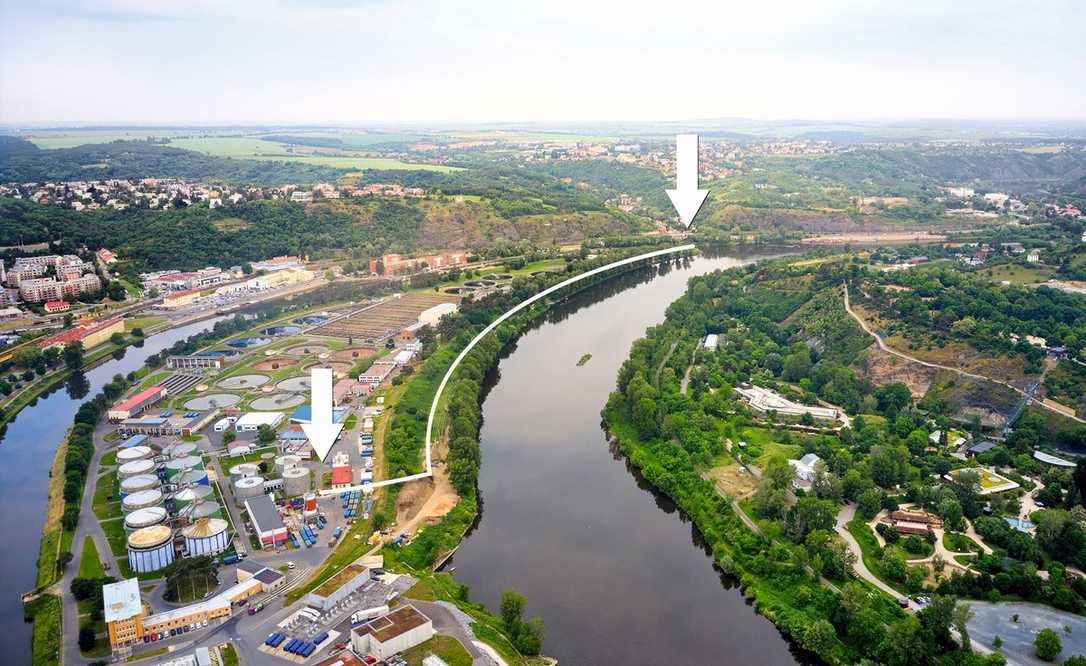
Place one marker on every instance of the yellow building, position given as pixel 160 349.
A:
pixel 124 612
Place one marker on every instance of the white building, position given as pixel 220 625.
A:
pixel 764 400
pixel 251 421
pixel 431 316
pixel 339 587
pixel 805 469
pixel 400 630
pixel 711 341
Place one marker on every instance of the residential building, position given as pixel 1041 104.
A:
pixel 57 306
pixel 35 290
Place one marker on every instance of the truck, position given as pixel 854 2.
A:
pixel 230 559
pixel 368 614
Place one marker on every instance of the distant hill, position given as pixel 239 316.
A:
pixel 22 161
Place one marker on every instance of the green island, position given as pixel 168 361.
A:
pixel 585 358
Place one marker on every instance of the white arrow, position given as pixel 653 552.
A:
pixel 321 429
pixel 686 197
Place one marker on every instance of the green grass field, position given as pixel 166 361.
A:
pixel 90 566
pixel 253 147
pixel 1017 273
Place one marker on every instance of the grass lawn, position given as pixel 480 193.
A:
pixel 142 322
pixel 347 550
pixel 90 566
pixel 446 647
pixel 869 546
pixel 101 646
pixel 140 656
pixel 47 557
pixel 1017 273
pixel 106 502
pixel 229 655
pixel 254 457
pixel 110 458
pixel 115 535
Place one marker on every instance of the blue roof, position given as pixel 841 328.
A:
pixel 981 447
pixel 134 440
pixel 304 414
pixel 292 435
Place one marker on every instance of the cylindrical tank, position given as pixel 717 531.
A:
pixel 309 504
pixel 135 468
pixel 242 470
pixel 208 509
pixel 137 520
pixel 193 477
pixel 287 461
pixel 247 487
pixel 175 466
pixel 295 481
pixel 134 484
pixel 141 500
pixel 134 453
pixel 187 496
pixel 150 548
pixel 182 450
pixel 207 536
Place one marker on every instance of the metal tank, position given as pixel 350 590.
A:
pixel 186 496
pixel 141 518
pixel 135 468
pixel 133 454
pixel 134 484
pixel 242 470
pixel 176 466
pixel 207 536
pixel 141 500
pixel 202 510
pixel 192 477
pixel 150 549
pixel 183 449
pixel 285 462
pixel 247 487
pixel 295 481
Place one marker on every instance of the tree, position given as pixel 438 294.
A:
pixel 1047 645
pixel 869 502
pixel 512 608
pixel 265 434
pixel 86 638
pixel 73 355
pixel 819 637
pixel 961 616
pixel 229 436
pixel 904 644
pixel 117 339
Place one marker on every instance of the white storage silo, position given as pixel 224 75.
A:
pixel 183 450
pixel 141 500
pixel 242 470
pixel 249 486
pixel 286 461
pixel 141 518
pixel 186 496
pixel 134 453
pixel 134 484
pixel 207 536
pixel 192 477
pixel 150 549
pixel 177 466
pixel 134 468
pixel 295 481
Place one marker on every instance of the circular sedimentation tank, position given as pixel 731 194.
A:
pixel 134 484
pixel 137 520
pixel 176 466
pixel 183 450
pixel 135 468
pixel 150 548
pixel 207 536
pixel 134 453
pixel 141 500
pixel 247 487
pixel 205 509
pixel 295 481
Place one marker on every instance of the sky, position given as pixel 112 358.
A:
pixel 486 61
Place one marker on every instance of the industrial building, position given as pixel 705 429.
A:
pixel 400 630
pixel 124 612
pixel 431 316
pixel 90 334
pixel 165 426
pixel 197 362
pixel 136 404
pixel 338 587
pixel 251 421
pixel 150 549
pixel 267 523
pixel 377 373
pixel 206 536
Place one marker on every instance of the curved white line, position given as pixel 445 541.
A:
pixel 482 334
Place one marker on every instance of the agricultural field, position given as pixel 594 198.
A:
pixel 1017 273
pixel 255 147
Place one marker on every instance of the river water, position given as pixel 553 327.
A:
pixel 27 452
pixel 618 574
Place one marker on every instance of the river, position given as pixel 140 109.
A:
pixel 27 451
pixel 618 574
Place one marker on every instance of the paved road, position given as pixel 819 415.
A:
pixel 991 620
pixel 848 512
pixel 964 373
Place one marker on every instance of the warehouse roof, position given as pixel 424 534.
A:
pixel 342 475
pixel 396 623
pixel 268 576
pixel 259 418
pixel 1052 460
pixel 981 447
pixel 121 600
pixel 345 576
pixel 137 399
pixel 264 514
